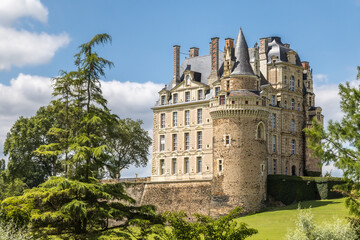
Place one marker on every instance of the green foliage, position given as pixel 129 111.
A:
pixel 128 145
pixel 340 144
pixel 289 189
pixel 204 227
pixel 8 231
pixel 75 136
pixel 62 206
pixel 24 138
pixel 306 229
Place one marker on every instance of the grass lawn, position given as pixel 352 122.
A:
pixel 274 223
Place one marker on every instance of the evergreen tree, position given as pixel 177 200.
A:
pixel 340 144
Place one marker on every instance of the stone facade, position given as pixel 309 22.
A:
pixel 230 119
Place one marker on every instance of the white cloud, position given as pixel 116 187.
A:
pixel 20 48
pixel 131 99
pixel 11 10
pixel 320 78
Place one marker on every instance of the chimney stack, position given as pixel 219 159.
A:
pixel 176 77
pixel 193 52
pixel 214 53
pixel 305 65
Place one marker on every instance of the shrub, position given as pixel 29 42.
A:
pixel 306 229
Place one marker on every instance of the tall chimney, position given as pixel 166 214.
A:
pixel 193 52
pixel 214 54
pixel 176 77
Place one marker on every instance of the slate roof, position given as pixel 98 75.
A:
pixel 201 65
pixel 242 65
pixel 277 48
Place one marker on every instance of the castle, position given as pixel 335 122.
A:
pixel 226 121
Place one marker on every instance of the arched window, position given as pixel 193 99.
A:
pixel 292 105
pixel 293 170
pixel 260 133
pixel 292 83
pixel 292 125
pixel 292 149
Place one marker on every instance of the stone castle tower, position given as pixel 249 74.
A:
pixel 239 121
pixel 226 121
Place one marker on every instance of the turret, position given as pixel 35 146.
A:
pixel 239 142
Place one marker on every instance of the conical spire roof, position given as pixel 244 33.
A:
pixel 242 65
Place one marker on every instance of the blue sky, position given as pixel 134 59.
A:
pixel 325 33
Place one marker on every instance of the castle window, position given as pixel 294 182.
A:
pixel 162 120
pixel 198 164
pixel 175 98
pixel 274 166
pixel 227 139
pixel 199 140
pixel 173 166
pixel 309 101
pixel 163 99
pixel 187 117
pixel 298 83
pixel 292 147
pixel 285 80
pixel 217 90
pixel 188 80
pixel 200 94
pixel 293 170
pixel 227 85
pixel 186 141
pixel 199 116
pixel 162 167
pixel 274 143
pixel 222 100
pixel 299 109
pixel 286 171
pixel 285 104
pixel 220 165
pixel 174 142
pixel 175 119
pixel 292 105
pixel 273 121
pixel 246 102
pixel 162 142
pixel 186 165
pixel 187 96
pixel 260 131
pixel 292 83
pixel 292 125
pixel 273 100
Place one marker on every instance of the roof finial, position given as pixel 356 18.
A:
pixel 242 65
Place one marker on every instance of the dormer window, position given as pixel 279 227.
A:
pixel 163 99
pixel 188 80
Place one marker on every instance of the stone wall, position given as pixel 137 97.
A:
pixel 190 196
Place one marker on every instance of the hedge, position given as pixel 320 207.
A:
pixel 290 189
